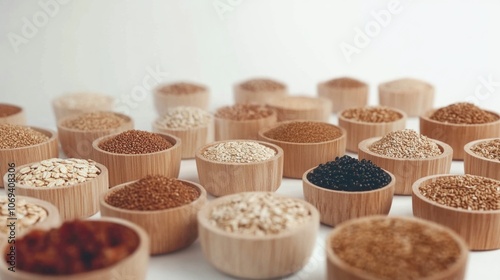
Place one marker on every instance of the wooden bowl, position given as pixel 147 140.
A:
pixel 77 103
pixel 163 100
pixel 299 157
pixel 169 229
pixel 222 178
pixel 338 269
pixel 409 95
pixel 336 207
pixel 407 171
pixel 12 114
pixel 344 93
pixel 301 108
pixel 227 129
pixel 477 165
pixel 457 135
pixel 257 257
pixel 24 155
pixel 480 229
pixel 358 131
pixel 78 143
pixel 132 267
pixel 262 96
pixel 130 167
pixel 79 200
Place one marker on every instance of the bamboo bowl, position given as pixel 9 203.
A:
pixel 409 95
pixel 243 95
pixel 257 257
pixel 301 108
pixel 223 178
pixel 14 114
pixel 480 229
pixel 336 207
pixel 477 165
pixel 24 155
pixel 77 103
pixel 407 171
pixel 227 129
pixel 130 167
pixel 132 267
pixel 79 200
pixel 78 143
pixel 348 93
pixel 457 135
pixel 169 229
pixel 358 131
pixel 164 101
pixel 299 157
pixel 338 269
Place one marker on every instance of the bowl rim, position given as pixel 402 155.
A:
pixel 128 120
pixel 19 110
pixel 333 258
pixel 51 134
pixel 276 103
pixel 238 85
pixel 157 89
pixel 425 117
pixel 468 146
pixel 273 114
pixel 403 116
pixel 360 86
pixel 416 192
pixel 384 85
pixel 56 102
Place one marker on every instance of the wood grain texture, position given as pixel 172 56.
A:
pixel 477 165
pixel 257 257
pixel 19 117
pixel 336 207
pixel 242 96
pixel 130 167
pixel 457 135
pixel 344 97
pixel 301 108
pixel 220 178
pixel 407 171
pixel 163 101
pixel 480 229
pixel 61 111
pixel 412 96
pixel 226 129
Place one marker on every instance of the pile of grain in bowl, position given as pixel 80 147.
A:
pixel 407 144
pixel 239 152
pixel 488 149
pixel 467 192
pixel 244 112
pixel 256 85
pixel 135 142
pixel 94 121
pixel 181 88
pixel 344 83
pixel 259 214
pixel 57 172
pixel 8 110
pixel 390 248
pixel 27 214
pixel 304 132
pixel 154 192
pixel 17 136
pixel 372 114
pixel 184 117
pixel 463 113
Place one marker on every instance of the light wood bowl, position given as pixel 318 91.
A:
pixel 336 207
pixel 358 131
pixel 480 229
pixel 164 101
pixel 407 171
pixel 17 117
pixel 337 269
pixel 457 135
pixel 61 110
pixel 28 154
pixel 301 108
pixel 242 95
pixel 257 257
pixel 409 95
pixel 79 200
pixel 130 167
pixel 299 157
pixel 344 97
pixel 478 165
pixel 78 143
pixel 222 178
pixel 226 129
pixel 169 229
pixel 132 267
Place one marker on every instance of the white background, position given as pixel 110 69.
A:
pixel 111 46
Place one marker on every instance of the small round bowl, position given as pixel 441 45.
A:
pixel 480 229
pixel 169 229
pixel 79 200
pixel 477 165
pixel 457 135
pixel 13 114
pixel 337 269
pixel 164 101
pixel 409 95
pixel 227 129
pixel 407 171
pixel 301 108
pixel 223 178
pixel 130 167
pixel 243 95
pixel 28 154
pixel 77 103
pixel 336 207
pixel 78 143
pixel 257 257
pixel 345 93
pixel 358 131
pixel 299 157
pixel 132 267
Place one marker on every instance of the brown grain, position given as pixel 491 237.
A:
pixel 463 113
pixel 344 83
pixel 372 114
pixel 488 149
pixel 135 142
pixel 405 143
pixel 244 112
pixel 8 110
pixel 17 136
pixel 304 132
pixel 181 88
pixel 94 121
pixel 256 85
